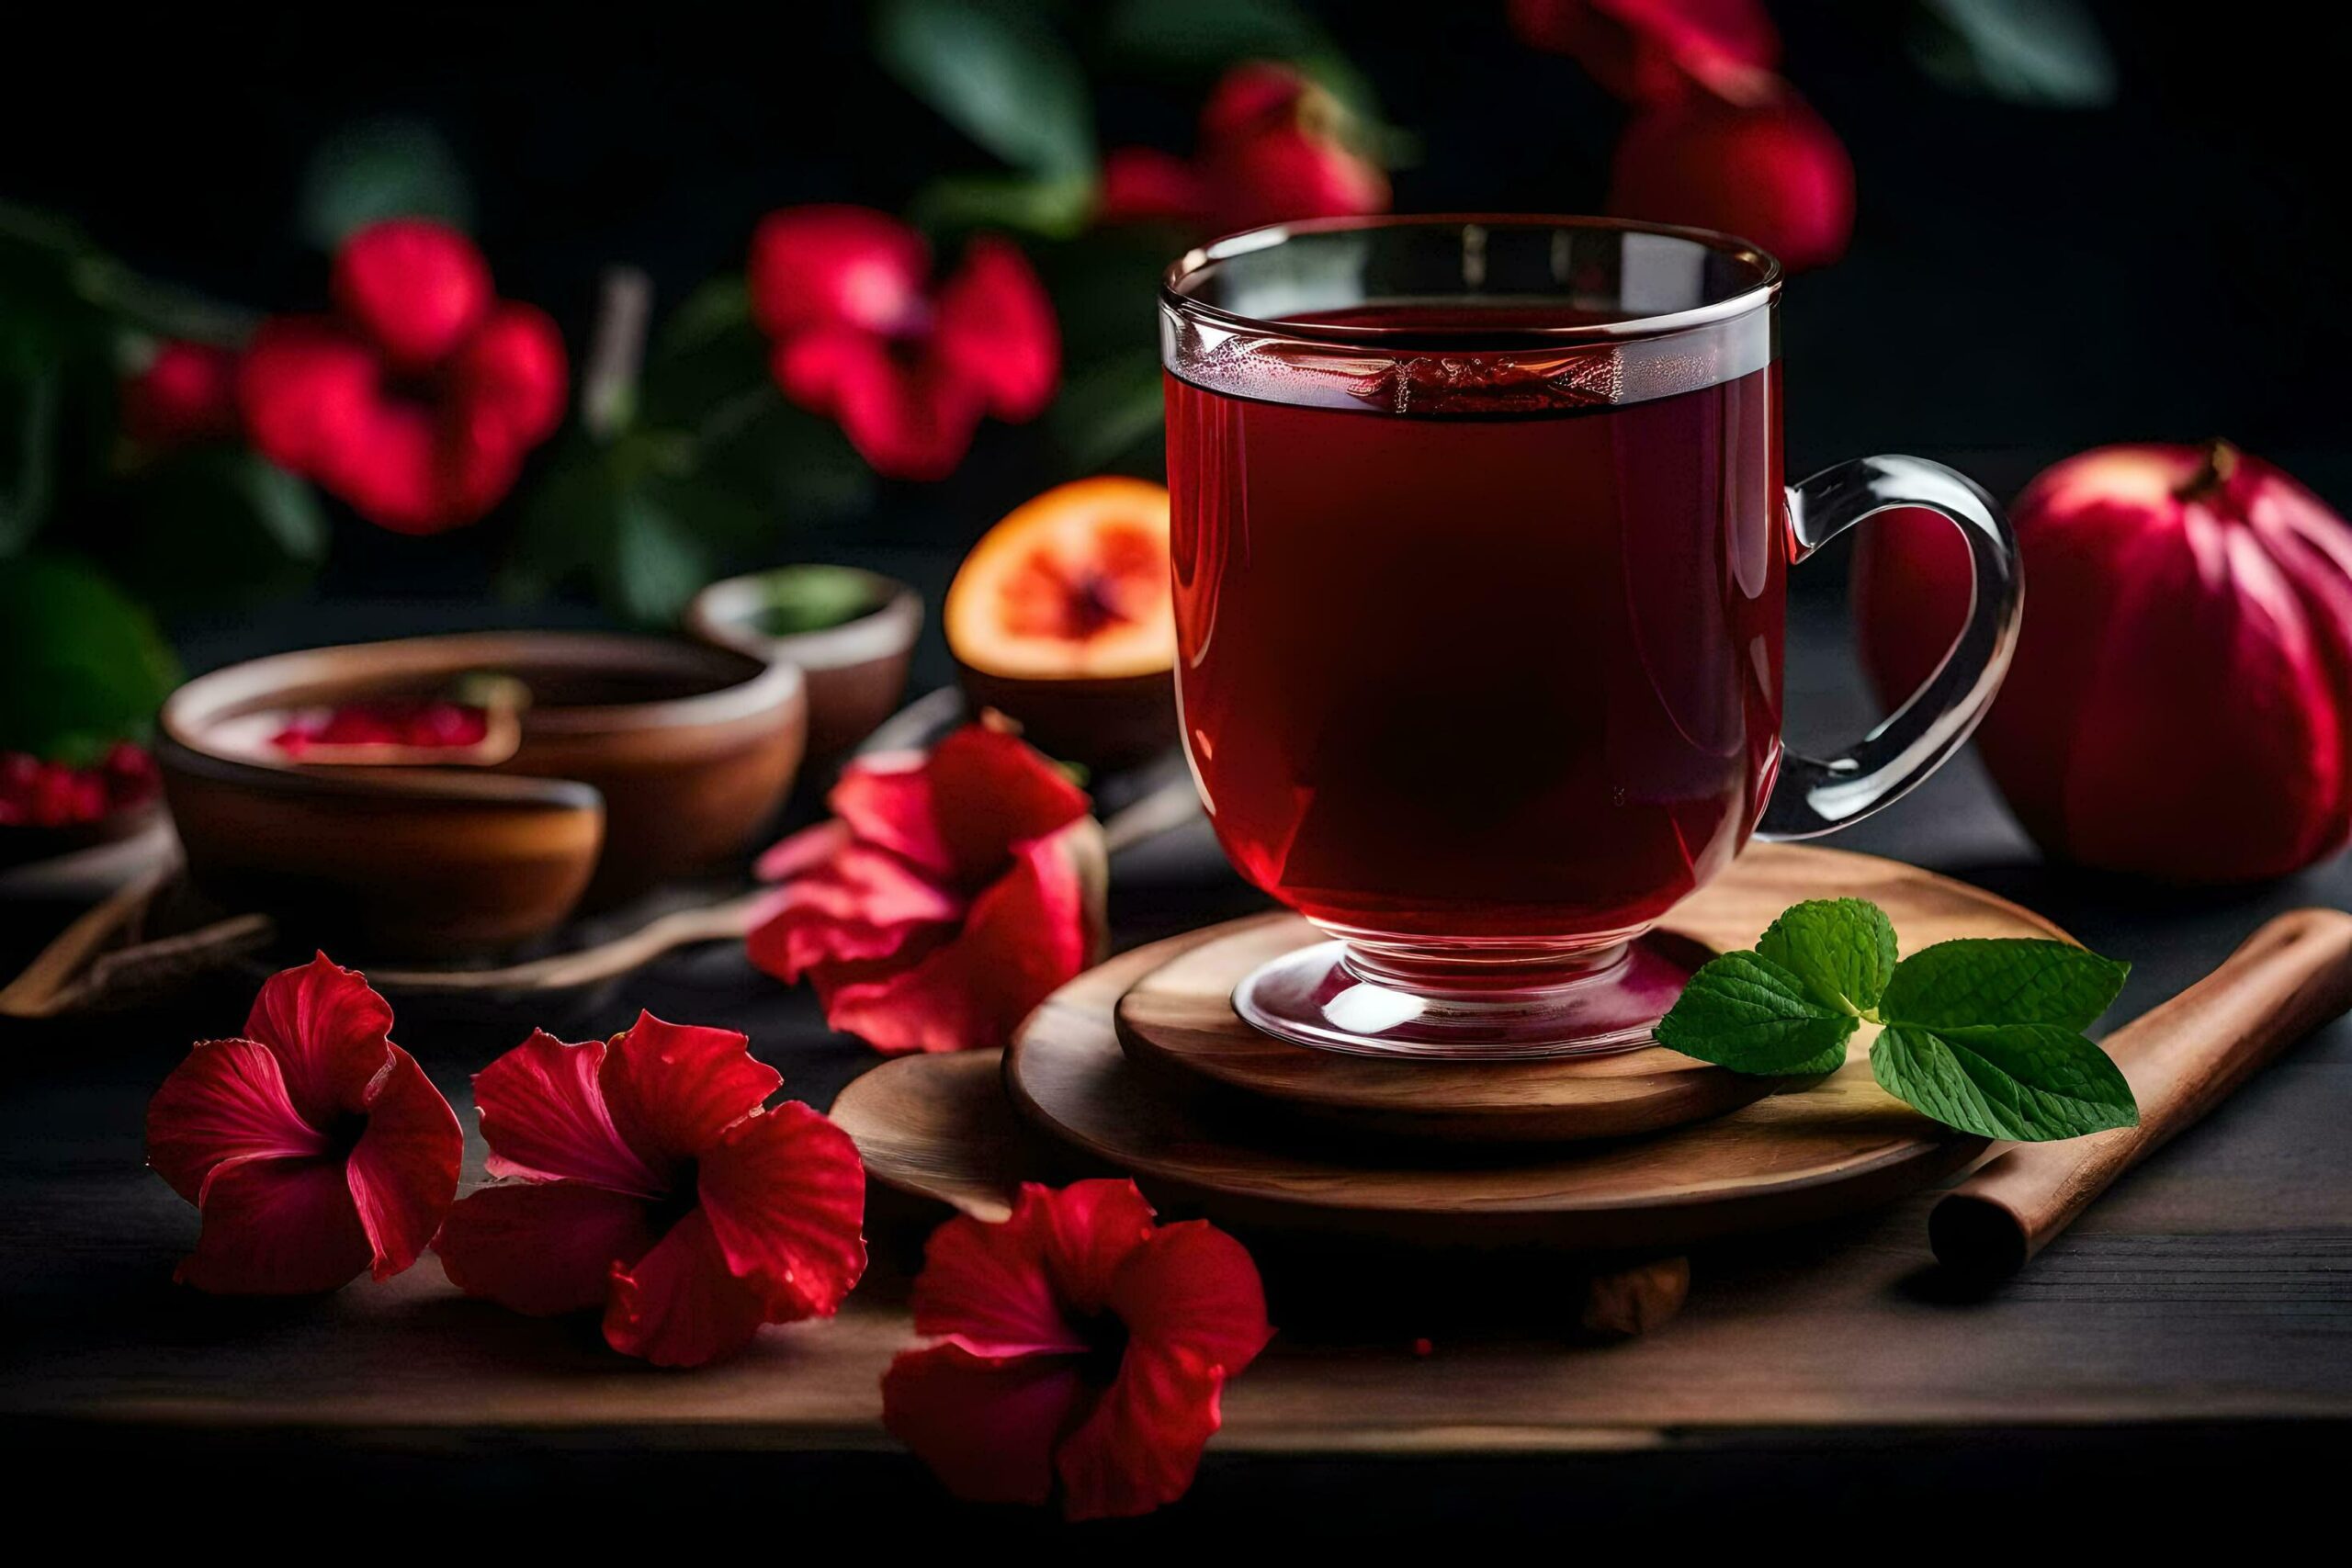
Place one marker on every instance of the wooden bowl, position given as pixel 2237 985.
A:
pixel 1105 721
pixel 856 671
pixel 640 760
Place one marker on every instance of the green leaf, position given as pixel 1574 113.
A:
pixel 656 565
pixel 1978 980
pixel 1055 207
pixel 1205 35
pixel 716 308
pixel 28 412
pixel 1746 1012
pixel 2027 1081
pixel 2032 52
pixel 996 75
pixel 378 169
pixel 85 665
pixel 1106 410
pixel 1843 949
pixel 811 598
pixel 210 529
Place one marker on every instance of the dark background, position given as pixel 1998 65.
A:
pixel 2023 282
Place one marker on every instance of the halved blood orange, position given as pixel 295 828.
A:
pixel 1059 618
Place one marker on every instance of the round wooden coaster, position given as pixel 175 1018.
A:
pixel 1835 1148
pixel 1181 1017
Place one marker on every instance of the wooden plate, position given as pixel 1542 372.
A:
pixel 1789 1158
pixel 1179 1017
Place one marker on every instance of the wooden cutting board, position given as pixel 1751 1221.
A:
pixel 1838 1147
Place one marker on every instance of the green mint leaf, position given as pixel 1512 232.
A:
pixel 1746 1012
pixel 1842 949
pixel 2025 1081
pixel 1989 980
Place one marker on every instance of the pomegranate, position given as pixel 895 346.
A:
pixel 2180 706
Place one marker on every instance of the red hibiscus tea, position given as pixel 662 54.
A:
pixel 1480 548
pixel 1448 672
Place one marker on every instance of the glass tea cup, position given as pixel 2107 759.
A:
pixel 1480 545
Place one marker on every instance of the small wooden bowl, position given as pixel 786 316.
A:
pixel 856 671
pixel 1106 722
pixel 640 760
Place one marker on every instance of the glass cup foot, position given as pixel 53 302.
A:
pixel 1316 996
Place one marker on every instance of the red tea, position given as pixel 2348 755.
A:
pixel 1480 658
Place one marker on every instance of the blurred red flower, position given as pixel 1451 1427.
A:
pixel 35 793
pixel 646 1178
pixel 908 370
pixel 187 393
pixel 950 894
pixel 1652 51
pixel 313 1146
pixel 1077 1341
pixel 1272 149
pixel 1763 166
pixel 418 399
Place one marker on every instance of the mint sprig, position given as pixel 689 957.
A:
pixel 1984 1034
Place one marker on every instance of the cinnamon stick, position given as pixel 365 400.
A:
pixel 2182 1058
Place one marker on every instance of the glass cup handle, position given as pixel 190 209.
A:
pixel 1820 794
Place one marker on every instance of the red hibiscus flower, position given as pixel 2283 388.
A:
pixel 951 895
pixel 1077 1341
pixel 187 393
pixel 315 1147
pixel 1652 51
pixel 1761 164
pixel 908 370
pixel 1272 148
pixel 646 1178
pixel 418 399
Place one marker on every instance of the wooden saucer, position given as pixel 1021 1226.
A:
pixel 1835 1148
pixel 1181 1017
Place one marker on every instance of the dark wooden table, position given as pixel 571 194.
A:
pixel 2187 1346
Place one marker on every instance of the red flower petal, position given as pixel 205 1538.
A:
pixel 835 266
pixel 1141 1444
pixel 1194 1289
pixel 510 370
pixel 278 1228
pixel 998 1287
pixel 1196 1314
pixel 986 1425
pixel 958 813
pixel 1249 98
pixel 306 387
pixel 188 392
pixel 908 413
pixel 1035 929
pixel 674 1087
pixel 867 904
pixel 413 287
pixel 542 1248
pixel 784 1194
pixel 1652 51
pixel 544 1115
pixel 678 1305
pixel 332 1034
pixel 1288 174
pixel 802 851
pixel 404 1171
pixel 994 328
pixel 1770 170
pixel 1142 183
pixel 226 1103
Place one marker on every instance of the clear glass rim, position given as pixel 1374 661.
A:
pixel 1202 258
